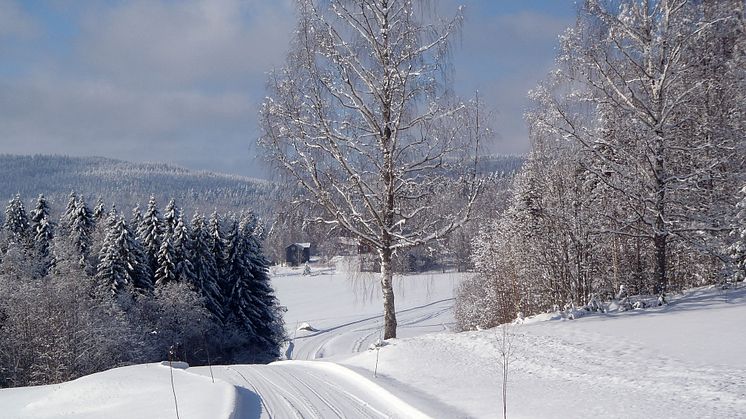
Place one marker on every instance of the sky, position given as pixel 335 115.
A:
pixel 181 81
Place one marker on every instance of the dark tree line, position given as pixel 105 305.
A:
pixel 94 289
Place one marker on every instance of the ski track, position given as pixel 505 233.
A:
pixel 673 380
pixel 353 337
pixel 300 390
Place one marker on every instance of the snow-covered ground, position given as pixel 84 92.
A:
pixel 139 391
pixel 344 308
pixel 684 360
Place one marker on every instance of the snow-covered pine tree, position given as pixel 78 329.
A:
pixel 121 261
pixel 142 277
pixel 40 211
pixel 80 229
pixel 250 303
pixel 16 223
pixel 99 211
pixel 217 246
pixel 206 274
pixel 183 255
pixel 239 306
pixel 111 271
pixel 66 216
pixel 136 219
pixel 166 270
pixel 150 233
pixel 42 231
pixel 269 325
pixel 171 217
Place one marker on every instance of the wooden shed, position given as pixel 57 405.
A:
pixel 298 253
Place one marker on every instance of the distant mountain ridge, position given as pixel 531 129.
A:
pixel 127 184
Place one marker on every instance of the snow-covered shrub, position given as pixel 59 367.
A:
pixel 482 303
pixel 595 304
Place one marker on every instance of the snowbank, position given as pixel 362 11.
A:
pixel 140 391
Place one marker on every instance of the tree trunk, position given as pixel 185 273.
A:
pixel 660 262
pixel 389 312
pixel 661 235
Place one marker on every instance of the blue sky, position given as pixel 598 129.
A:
pixel 181 81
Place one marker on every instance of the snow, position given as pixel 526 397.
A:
pixel 682 360
pixel 685 359
pixel 310 389
pixel 140 391
pixel 344 307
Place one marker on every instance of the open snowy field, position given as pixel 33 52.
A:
pixel 685 360
pixel 344 308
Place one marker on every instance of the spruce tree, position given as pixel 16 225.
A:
pixel 206 272
pixel 171 217
pixel 166 270
pixel 121 261
pixel 182 244
pixel 239 306
pixel 80 229
pixel 269 324
pixel 42 231
pixel 150 232
pixel 99 212
pixel 250 303
pixel 67 216
pixel 40 211
pixel 136 219
pixel 16 223
pixel 111 271
pixel 217 246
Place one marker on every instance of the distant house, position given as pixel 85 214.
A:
pixel 369 261
pixel 298 253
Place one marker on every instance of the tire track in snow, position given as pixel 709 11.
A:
pixel 355 336
pixel 265 406
pixel 306 389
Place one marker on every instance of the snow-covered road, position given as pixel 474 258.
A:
pixel 307 389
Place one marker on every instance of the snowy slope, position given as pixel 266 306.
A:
pixel 140 391
pixel 684 360
pixel 343 310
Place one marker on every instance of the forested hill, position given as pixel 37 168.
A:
pixel 128 184
pixel 501 164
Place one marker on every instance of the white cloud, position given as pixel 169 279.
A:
pixel 180 81
pixel 186 42
pixel 151 80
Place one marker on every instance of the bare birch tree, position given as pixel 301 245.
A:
pixel 362 117
pixel 629 93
